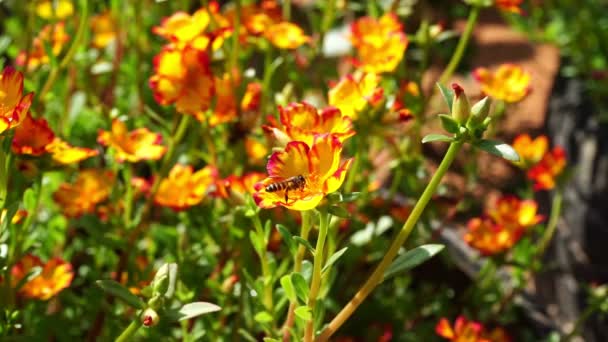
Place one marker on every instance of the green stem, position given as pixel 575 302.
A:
pixel 267 299
pixel 378 274
pixel 129 332
pixel 462 44
pixel 286 10
pixel 297 267
pixel 127 173
pixel 315 284
pixel 556 209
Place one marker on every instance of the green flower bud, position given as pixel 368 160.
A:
pixel 461 109
pixel 480 111
pixel 149 318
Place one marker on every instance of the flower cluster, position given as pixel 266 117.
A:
pixel 502 226
pixel 91 187
pixel 543 167
pixel 55 276
pixel 309 167
pixel 53 35
pixel 465 330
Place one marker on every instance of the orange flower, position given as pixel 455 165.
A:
pixel 103 26
pixel 226 104
pixel 510 6
pixel 530 151
pixel 56 10
pixel 300 176
pixel 13 106
pixel 257 18
pixel 380 43
pixel 303 122
pixel 184 78
pixel 286 35
pixel 548 169
pixel 244 184
pixel 354 92
pixel 462 331
pixel 256 151
pixel 55 36
pixel 184 188
pixel 56 275
pixel 510 82
pixel 489 238
pixel 251 98
pixel 64 153
pixel 91 187
pixel 184 29
pixel 134 146
pixel 515 214
pixel 32 136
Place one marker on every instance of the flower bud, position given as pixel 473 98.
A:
pixel 461 109
pixel 149 318
pixel 480 111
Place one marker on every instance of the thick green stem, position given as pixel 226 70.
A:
pixel 267 298
pixel 315 284
pixel 556 209
pixel 129 332
pixel 462 44
pixel 297 267
pixel 378 274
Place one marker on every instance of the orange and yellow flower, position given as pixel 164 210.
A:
pixel 242 185
pixel 92 186
pixel 54 35
pixel 303 122
pixel 184 188
pixel 256 151
pixel 380 43
pixel 17 218
pixel 13 105
pixel 137 145
pixel 225 101
pixel 56 10
pixel 320 165
pixel 489 238
pixel 252 96
pixel 286 35
pixel 530 151
pixel 354 92
pixel 545 173
pixel 515 214
pixel 183 77
pixel 512 6
pixel 103 28
pixel 32 136
pixel 64 153
pixel 256 18
pixel 465 330
pixel 55 276
pixel 510 82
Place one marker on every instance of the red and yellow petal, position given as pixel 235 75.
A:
pixel 334 182
pixel 292 161
pixel 325 156
pixel 444 329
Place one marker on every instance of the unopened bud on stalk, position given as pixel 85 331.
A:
pixel 480 111
pixel 461 109
pixel 149 318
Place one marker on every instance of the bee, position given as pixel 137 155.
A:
pixel 292 183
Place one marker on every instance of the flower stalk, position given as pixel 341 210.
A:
pixel 315 284
pixel 462 44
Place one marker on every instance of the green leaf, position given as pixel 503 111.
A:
pixel 166 273
pixel 412 258
pixel 449 124
pixel 300 285
pixel 436 137
pixel 304 313
pixel 338 211
pixel 263 317
pixel 121 292
pixel 304 243
pixel 332 259
pixel 447 94
pixel 256 240
pixel 195 309
pixel 499 149
pixel 29 199
pixel 287 285
pixel 287 237
pixel 353 196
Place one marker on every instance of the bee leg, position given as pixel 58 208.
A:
pixel 286 195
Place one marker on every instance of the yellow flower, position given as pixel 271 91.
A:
pixel 225 101
pixel 303 122
pixel 354 92
pixel 91 187
pixel 134 146
pixel 183 77
pixel 380 43
pixel 286 35
pixel 299 177
pixel 64 153
pixel 32 136
pixel 184 188
pixel 510 82
pixel 530 151
pixel 56 275
pixel 13 106
pixel 17 218
pixel 54 9
pixel 53 35
pixel 256 151
pixel 516 214
pixel 103 27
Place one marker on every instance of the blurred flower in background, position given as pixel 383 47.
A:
pixel 509 83
pixel 56 275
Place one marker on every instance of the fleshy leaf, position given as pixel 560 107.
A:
pixel 117 290
pixel 412 258
pixel 449 124
pixel 499 149
pixel 195 309
pixel 332 259
pixel 447 94
pixel 436 137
